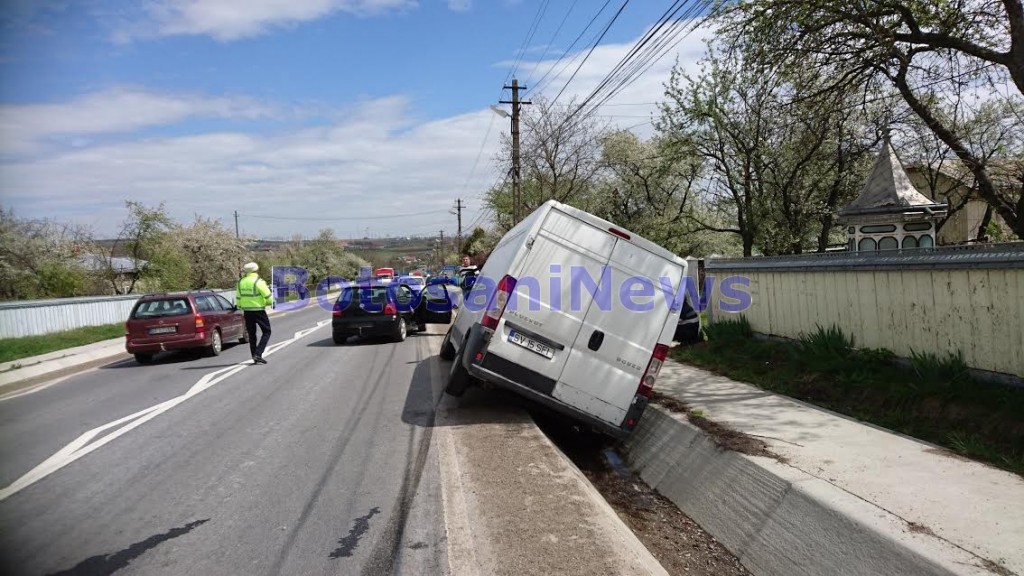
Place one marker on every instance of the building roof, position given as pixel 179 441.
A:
pixel 888 189
pixel 117 264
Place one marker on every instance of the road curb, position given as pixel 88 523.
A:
pixel 779 520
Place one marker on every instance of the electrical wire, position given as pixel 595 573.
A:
pixel 311 219
pixel 592 48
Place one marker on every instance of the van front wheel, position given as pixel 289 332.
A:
pixel 458 379
pixel 447 348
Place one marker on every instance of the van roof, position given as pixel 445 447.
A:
pixel 603 224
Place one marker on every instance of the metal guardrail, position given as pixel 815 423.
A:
pixel 1008 255
pixel 37 317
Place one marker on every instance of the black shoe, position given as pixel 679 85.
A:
pixel 259 360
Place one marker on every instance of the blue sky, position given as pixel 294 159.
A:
pixel 294 109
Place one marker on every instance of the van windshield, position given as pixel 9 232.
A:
pixel 162 308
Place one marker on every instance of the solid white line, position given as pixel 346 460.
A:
pixel 81 446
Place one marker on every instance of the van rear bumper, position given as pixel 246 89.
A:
pixel 478 339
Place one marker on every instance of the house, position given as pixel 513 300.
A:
pixel 125 270
pixel 952 183
pixel 890 213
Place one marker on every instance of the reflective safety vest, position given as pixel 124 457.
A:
pixel 252 293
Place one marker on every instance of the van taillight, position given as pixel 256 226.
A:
pixel 496 306
pixel 390 309
pixel 200 323
pixel 653 367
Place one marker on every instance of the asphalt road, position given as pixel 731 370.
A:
pixel 317 463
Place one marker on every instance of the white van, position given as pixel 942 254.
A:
pixel 573 312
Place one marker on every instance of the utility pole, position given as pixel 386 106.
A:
pixel 516 174
pixel 440 249
pixel 458 215
pixel 236 225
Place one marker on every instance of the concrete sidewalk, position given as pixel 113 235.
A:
pixel 845 498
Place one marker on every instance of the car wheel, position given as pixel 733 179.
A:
pixel 339 338
pixel 458 378
pixel 447 348
pixel 215 347
pixel 245 337
pixel 144 358
pixel 403 331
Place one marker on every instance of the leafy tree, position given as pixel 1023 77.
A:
pixel 943 59
pixel 651 188
pixel 777 163
pixel 214 255
pixel 559 158
pixel 38 259
pixel 139 233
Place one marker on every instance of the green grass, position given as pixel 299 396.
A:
pixel 17 348
pixel 934 398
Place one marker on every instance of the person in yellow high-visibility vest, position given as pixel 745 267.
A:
pixel 252 296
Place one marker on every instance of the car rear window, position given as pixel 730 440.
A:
pixel 162 308
pixel 376 295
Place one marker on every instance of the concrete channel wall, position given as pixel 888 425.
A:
pixel 780 521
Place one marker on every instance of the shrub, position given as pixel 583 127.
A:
pixel 729 330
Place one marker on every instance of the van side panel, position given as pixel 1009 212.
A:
pixel 644 289
pixel 543 302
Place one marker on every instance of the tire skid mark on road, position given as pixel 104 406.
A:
pixel 88 441
pixel 388 548
pixel 360 409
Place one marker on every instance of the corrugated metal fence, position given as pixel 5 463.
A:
pixel 34 317
pixel 937 301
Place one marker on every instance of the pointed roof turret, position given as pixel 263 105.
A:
pixel 889 190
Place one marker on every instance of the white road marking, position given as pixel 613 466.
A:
pixel 84 444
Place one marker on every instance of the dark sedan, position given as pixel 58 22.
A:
pixel 389 310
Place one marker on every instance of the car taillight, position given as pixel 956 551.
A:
pixel 127 330
pixel 496 306
pixel 337 309
pixel 653 368
pixel 389 309
pixel 200 323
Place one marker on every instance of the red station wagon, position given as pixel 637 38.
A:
pixel 177 321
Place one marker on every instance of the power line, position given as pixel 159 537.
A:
pixel 552 41
pixel 592 48
pixel 540 82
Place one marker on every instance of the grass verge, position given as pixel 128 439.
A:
pixel 933 399
pixel 27 346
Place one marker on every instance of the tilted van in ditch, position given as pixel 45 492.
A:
pixel 573 312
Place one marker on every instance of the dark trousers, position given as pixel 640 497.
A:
pixel 254 318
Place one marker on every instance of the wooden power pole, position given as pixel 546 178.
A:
pixel 516 174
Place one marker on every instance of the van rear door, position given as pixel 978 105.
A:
pixel 543 319
pixel 608 358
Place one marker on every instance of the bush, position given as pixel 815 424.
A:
pixel 933 369
pixel 827 343
pixel 729 330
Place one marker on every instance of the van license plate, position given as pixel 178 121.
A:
pixel 163 330
pixel 531 344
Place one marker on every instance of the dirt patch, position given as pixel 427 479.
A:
pixel 919 528
pixel 678 543
pixel 725 437
pixel 998 569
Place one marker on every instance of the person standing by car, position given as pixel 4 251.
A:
pixel 253 296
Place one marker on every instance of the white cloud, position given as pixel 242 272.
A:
pixel 374 158
pixel 460 5
pixel 228 20
pixel 26 128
